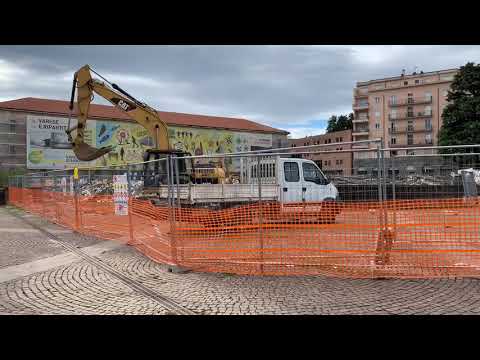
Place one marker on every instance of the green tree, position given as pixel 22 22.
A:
pixel 461 117
pixel 342 122
pixel 332 124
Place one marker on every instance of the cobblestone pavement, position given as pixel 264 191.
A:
pixel 81 287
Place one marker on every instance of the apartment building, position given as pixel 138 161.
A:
pixel 12 141
pixel 335 163
pixel 405 111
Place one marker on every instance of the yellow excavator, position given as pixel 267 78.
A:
pixel 155 172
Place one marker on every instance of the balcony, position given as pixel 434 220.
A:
pixel 360 132
pixel 409 129
pixel 411 101
pixel 361 93
pixel 360 120
pixel 360 106
pixel 410 115
pixel 360 146
pixel 424 144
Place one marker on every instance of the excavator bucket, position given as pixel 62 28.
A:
pixel 85 152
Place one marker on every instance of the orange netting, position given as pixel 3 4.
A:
pixel 403 238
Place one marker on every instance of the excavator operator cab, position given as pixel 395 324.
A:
pixel 158 170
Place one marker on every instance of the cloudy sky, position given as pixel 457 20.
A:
pixel 295 88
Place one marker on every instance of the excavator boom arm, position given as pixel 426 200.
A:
pixel 141 113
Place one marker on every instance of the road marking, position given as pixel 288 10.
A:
pixel 54 231
pixel 17 271
pixel 18 230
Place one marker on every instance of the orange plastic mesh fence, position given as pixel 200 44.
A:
pixel 403 238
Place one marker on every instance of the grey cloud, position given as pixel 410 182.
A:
pixel 285 86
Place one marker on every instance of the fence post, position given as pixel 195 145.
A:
pixel 130 222
pixel 177 180
pixel 384 173
pixel 380 243
pixel 394 195
pixel 171 207
pixel 260 218
pixel 75 200
pixel 385 236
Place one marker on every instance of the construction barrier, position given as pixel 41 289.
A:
pixel 421 238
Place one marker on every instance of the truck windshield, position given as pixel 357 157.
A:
pixel 313 174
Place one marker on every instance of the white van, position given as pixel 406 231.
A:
pixel 298 180
pixel 286 180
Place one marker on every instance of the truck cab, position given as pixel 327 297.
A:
pixel 302 180
pixel 298 180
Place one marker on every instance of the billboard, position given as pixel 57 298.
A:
pixel 47 143
pixel 48 147
pixel 129 142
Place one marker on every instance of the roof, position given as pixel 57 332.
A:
pixel 332 134
pixel 406 76
pixel 105 112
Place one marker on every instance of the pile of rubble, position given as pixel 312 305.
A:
pixel 96 187
pixel 476 174
pixel 105 187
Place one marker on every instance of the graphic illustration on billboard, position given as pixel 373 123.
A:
pixel 213 141
pixel 129 142
pixel 48 147
pixel 47 143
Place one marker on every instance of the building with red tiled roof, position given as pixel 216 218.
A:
pixel 15 115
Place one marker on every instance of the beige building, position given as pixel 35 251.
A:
pixel 32 131
pixel 404 110
pixel 331 163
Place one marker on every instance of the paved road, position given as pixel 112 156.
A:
pixel 66 273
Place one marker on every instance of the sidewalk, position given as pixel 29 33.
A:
pixel 39 275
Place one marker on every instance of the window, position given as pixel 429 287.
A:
pixel 326 141
pixel 329 141
pixel 291 171
pixel 410 125
pixel 428 124
pixel 336 140
pixel 410 111
pixel 410 98
pixel 393 141
pixel 377 126
pixel 405 83
pixel 341 139
pixel 417 82
pixel 12 128
pixel 428 138
pixel 428 96
pixel 11 149
pixel 377 100
pixel 393 99
pixel 428 110
pixel 341 161
pixel 393 114
pixel 312 174
pixel 409 139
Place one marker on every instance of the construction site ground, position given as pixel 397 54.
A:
pixel 48 269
